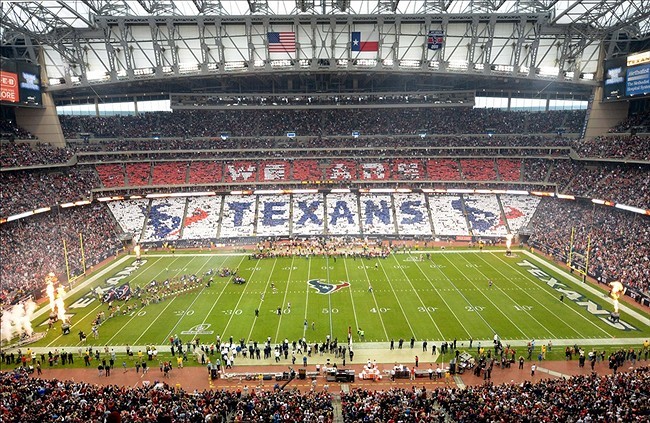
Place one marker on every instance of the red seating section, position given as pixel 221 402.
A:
pixel 205 172
pixel 111 175
pixel 307 170
pixel 169 173
pixel 509 169
pixel 406 169
pixel 138 173
pixel 478 169
pixel 443 170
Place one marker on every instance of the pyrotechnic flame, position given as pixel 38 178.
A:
pixel 50 293
pixel 617 290
pixel 60 308
pixel 508 241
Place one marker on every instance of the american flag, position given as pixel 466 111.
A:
pixel 282 42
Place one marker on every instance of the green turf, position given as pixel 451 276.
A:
pixel 445 297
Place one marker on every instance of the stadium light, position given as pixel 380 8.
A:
pixel 113 198
pixel 73 204
pixel 632 209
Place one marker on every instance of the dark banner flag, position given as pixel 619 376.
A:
pixel 435 39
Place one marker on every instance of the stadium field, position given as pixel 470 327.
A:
pixel 438 296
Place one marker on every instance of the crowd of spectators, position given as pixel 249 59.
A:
pixel 633 147
pixel 28 190
pixel 31 248
pixel 392 405
pixel 389 121
pixel 619 240
pixel 618 397
pixel 27 400
pixel 284 100
pixel 14 154
pixel 442 143
pixel 641 119
pixel 10 130
pixel 626 184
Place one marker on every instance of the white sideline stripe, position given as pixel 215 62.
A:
pixel 585 342
pixel 588 287
pixel 406 253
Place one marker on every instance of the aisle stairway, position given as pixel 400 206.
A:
pixel 337 410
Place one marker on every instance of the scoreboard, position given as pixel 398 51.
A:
pixel 627 77
pixel 20 84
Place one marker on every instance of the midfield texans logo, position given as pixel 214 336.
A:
pixel 326 288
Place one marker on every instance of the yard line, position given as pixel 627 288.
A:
pixel 419 298
pixel 241 296
pixel 536 282
pixel 284 300
pixel 381 319
pixel 329 295
pixel 442 297
pixel 152 323
pixel 399 303
pixel 266 288
pixel 504 293
pixel 356 321
pixel 533 298
pixel 479 313
pixel 75 324
pixel 190 306
pixel 304 329
pixel 136 314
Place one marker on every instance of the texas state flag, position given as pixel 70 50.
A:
pixel 366 41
